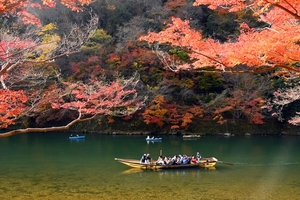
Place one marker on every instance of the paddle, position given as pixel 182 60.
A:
pixel 227 163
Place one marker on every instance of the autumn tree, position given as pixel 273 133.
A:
pixel 23 8
pixel 12 104
pixel 276 46
pixel 22 54
pixel 80 101
pixel 284 103
pixel 242 98
pixel 172 115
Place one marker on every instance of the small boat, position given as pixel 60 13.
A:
pixel 191 136
pixel 153 139
pixel 77 137
pixel 204 162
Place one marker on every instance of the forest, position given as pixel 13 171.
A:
pixel 159 66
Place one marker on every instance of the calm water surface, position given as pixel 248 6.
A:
pixel 50 166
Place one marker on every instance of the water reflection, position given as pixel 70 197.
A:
pixel 77 140
pixel 46 166
pixel 148 142
pixel 168 172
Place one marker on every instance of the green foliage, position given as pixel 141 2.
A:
pixel 208 82
pixel 99 40
pixel 181 54
pixel 247 17
pixel 278 83
pixel 221 26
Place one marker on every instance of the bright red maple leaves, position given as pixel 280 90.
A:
pixel 12 104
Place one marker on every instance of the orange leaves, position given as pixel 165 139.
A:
pixel 260 6
pixel 20 7
pixel 12 104
pixel 273 46
pixel 187 119
pixel 174 4
pixel 156 113
pixel 161 113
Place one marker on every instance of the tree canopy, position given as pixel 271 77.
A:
pixel 201 60
pixel 261 49
pixel 22 8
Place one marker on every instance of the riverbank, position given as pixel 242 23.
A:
pixel 201 127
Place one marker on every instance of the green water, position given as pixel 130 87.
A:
pixel 50 166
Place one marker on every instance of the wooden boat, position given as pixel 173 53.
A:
pixel 153 139
pixel 77 137
pixel 191 137
pixel 204 162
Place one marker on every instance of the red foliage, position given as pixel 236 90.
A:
pixel 98 98
pixel 22 7
pixel 274 47
pixel 88 69
pixel 12 104
pixel 8 48
pixel 174 115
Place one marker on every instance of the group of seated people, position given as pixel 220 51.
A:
pixel 175 160
pixel 146 159
pixel 178 160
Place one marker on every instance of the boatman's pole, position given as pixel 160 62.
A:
pixel 160 152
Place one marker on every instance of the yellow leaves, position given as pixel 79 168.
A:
pixel 47 28
pixel 49 41
pixel 111 7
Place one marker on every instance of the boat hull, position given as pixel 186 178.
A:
pixel 154 139
pixel 76 137
pixel 204 163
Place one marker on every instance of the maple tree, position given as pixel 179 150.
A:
pixel 38 47
pixel 262 49
pixel 82 102
pixel 162 113
pixel 21 8
pixel 22 57
pixel 12 104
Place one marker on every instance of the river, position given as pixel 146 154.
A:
pixel 50 166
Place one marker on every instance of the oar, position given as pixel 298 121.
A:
pixel 227 163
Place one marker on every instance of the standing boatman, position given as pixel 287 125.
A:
pixel 198 156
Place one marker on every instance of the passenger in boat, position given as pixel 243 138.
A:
pixel 185 160
pixel 148 137
pixel 193 160
pixel 179 160
pixel 77 135
pixel 71 135
pixel 160 161
pixel 143 159
pixel 166 160
pixel 172 160
pixel 148 159
pixel 198 156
